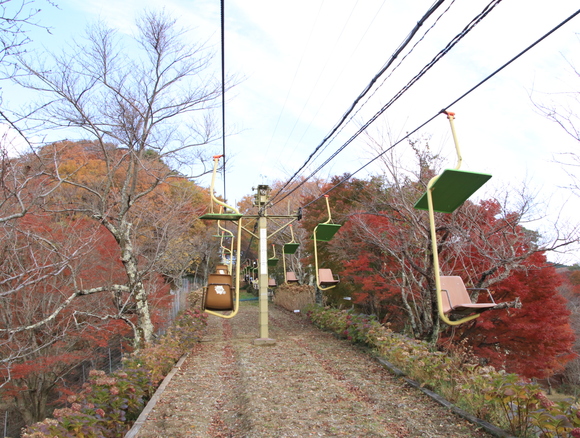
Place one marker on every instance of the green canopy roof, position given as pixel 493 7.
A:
pixel 290 248
pixel 325 232
pixel 451 189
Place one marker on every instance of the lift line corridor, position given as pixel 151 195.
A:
pixel 261 201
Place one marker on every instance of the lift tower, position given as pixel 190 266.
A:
pixel 261 200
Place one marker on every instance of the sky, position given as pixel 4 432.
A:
pixel 304 62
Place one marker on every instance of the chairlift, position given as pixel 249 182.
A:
pixel 218 294
pixel 455 297
pixel 230 213
pixel 226 263
pixel 222 293
pixel 292 246
pixel 445 193
pixel 324 232
pixel 289 248
pixel 227 253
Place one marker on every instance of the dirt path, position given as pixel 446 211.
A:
pixel 309 384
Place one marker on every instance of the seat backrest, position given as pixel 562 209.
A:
pixel 453 288
pixel 271 282
pixel 325 276
pixel 291 277
pixel 221 269
pixel 220 279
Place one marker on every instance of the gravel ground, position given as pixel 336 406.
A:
pixel 309 384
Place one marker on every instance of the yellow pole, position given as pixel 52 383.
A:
pixel 451 117
pixel 216 158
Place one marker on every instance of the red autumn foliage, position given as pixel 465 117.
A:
pixel 534 341
pixel 55 256
pixel 371 272
pixel 574 279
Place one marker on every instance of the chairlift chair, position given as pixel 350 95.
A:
pixel 289 248
pixel 323 232
pixel 218 294
pixel 222 269
pixel 273 261
pixel 445 193
pixel 291 277
pixel 222 291
pixel 326 277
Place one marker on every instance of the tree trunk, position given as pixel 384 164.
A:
pixel 144 327
pixel 32 402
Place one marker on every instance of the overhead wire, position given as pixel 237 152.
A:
pixel 476 20
pixel 223 94
pixel 465 94
pixel 393 57
pixel 337 77
pixel 371 95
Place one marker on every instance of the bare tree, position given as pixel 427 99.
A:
pixel 564 110
pixel 38 260
pixel 146 107
pixel 16 18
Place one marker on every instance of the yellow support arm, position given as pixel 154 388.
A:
pixel 442 315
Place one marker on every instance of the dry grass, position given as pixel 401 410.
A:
pixel 294 296
pixel 309 384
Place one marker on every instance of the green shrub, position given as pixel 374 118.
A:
pixel 495 396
